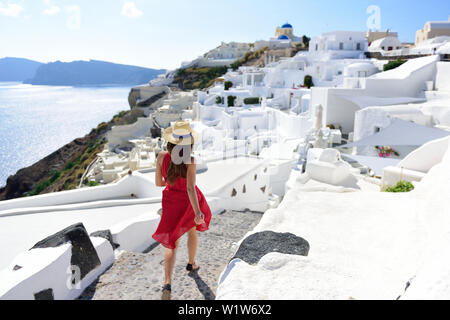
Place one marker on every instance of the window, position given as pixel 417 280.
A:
pixel 317 47
pixel 362 74
pixel 390 48
pixel 341 46
pixel 377 129
pixel 358 46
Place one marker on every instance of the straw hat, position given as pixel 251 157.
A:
pixel 181 134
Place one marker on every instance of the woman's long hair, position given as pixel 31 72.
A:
pixel 178 170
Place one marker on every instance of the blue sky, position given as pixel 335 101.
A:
pixel 163 33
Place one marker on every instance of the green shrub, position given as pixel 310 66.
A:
pixel 93 184
pixel 235 65
pixel 40 187
pixel 231 100
pixel 393 64
pixel 198 78
pixel 308 82
pixel 92 147
pixel 306 40
pixel 102 127
pixel 216 72
pixel 218 100
pixel 55 176
pixel 252 100
pixel 69 166
pixel 228 85
pixel 180 73
pixel 119 116
pixel 402 186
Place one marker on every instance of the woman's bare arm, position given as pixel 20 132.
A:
pixel 191 183
pixel 159 181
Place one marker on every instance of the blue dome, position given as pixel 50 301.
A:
pixel 286 26
pixel 283 37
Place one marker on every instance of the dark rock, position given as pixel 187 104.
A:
pixel 17 267
pixel 106 234
pixel 44 295
pixel 156 132
pixel 151 100
pixel 135 95
pixel 84 255
pixel 254 247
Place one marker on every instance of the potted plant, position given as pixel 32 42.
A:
pixel 386 152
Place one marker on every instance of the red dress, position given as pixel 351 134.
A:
pixel 177 213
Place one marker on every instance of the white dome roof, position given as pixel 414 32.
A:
pixel 360 66
pixel 387 41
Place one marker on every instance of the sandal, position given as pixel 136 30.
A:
pixel 190 267
pixel 166 292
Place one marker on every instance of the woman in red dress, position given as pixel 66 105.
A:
pixel 184 207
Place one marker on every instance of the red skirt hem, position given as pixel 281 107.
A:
pixel 178 217
pixel 160 238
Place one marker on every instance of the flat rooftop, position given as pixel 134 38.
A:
pixel 221 173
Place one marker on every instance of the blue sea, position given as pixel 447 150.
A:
pixel 35 121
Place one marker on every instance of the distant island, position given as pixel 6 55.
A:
pixel 17 69
pixel 77 73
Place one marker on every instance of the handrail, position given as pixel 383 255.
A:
pixel 87 171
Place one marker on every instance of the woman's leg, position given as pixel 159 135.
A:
pixel 192 245
pixel 169 263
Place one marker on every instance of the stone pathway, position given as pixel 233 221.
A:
pixel 140 276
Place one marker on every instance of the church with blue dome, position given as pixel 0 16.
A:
pixel 284 38
pixel 285 32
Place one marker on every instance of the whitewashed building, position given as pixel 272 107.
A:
pixel 346 44
pixel 223 55
pixel 433 29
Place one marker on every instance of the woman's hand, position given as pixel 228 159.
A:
pixel 199 218
pixel 192 192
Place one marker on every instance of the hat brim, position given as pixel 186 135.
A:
pixel 167 135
